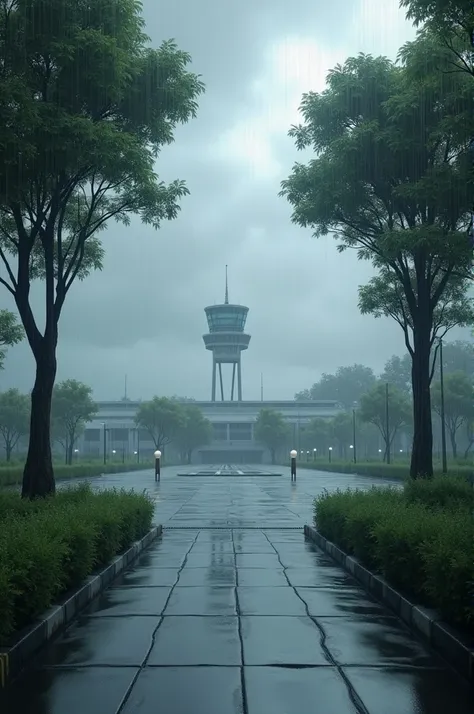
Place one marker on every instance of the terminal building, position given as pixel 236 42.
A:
pixel 114 431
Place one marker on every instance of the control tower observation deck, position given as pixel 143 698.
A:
pixel 226 340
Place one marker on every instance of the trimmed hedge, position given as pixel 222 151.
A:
pixel 51 545
pixel 396 471
pixel 12 475
pixel 421 539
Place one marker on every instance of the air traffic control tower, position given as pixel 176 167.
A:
pixel 226 340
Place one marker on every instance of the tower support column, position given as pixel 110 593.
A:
pixel 214 366
pixel 239 380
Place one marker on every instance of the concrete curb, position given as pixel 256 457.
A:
pixel 14 658
pixel 454 647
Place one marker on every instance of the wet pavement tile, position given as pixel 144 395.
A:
pixel 202 601
pixel 374 641
pixel 162 560
pixel 203 560
pixel 108 641
pixel 257 560
pixel 256 548
pixel 186 690
pixel 197 641
pixel 211 576
pixel 270 601
pixel 319 577
pixel 95 690
pixel 281 641
pixel 339 602
pixel 149 577
pixel 279 690
pixel 411 691
pixel 265 577
pixel 118 602
pixel 214 536
pixel 205 547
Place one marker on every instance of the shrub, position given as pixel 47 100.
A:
pixel 12 475
pixel 50 545
pixel 442 492
pixel 422 547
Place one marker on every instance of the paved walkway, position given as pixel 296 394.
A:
pixel 236 620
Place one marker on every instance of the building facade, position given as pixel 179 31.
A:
pixel 114 430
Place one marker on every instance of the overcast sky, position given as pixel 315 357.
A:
pixel 144 314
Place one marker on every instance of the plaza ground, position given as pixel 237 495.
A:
pixel 232 612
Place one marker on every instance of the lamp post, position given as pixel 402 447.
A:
pixel 330 454
pixel 157 465
pixel 105 442
pixel 442 415
pixel 387 423
pixel 315 451
pixel 354 441
pixel 307 456
pixel 293 455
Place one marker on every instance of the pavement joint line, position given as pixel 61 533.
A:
pixel 154 633
pixel 239 629
pixel 56 618
pixel 353 696
pixel 421 622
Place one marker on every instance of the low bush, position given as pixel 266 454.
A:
pixel 423 547
pixel 395 471
pixel 12 475
pixel 49 546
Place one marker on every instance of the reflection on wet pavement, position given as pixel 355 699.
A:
pixel 235 621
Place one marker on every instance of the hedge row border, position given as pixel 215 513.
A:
pixel 424 622
pixel 13 659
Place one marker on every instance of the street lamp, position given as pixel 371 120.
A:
pixel 293 455
pixel 354 441
pixel 387 423
pixel 330 454
pixel 314 454
pixel 307 456
pixel 442 415
pixel 105 442
pixel 157 465
pixel 76 451
pixel 380 452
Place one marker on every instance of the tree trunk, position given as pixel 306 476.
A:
pixel 38 475
pixel 8 450
pixel 422 451
pixel 70 450
pixel 454 446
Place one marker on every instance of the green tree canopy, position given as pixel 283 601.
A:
pixel 373 411
pixel 72 407
pixel 345 386
pixel 86 106
pixel 271 430
pixel 458 356
pixel 392 179
pixel 162 418
pixel 458 403
pixel 11 333
pixel 14 418
pixel 195 430
pixel 397 371
pixel 341 429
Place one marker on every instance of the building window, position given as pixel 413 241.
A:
pixel 219 432
pixel 119 434
pixel 240 432
pixel 92 435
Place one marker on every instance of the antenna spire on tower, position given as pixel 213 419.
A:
pixel 226 288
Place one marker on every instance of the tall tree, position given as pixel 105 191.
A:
pixel 11 333
pixel 346 385
pixel 86 106
pixel 317 435
pixel 14 418
pixel 162 418
pixel 271 430
pixel 72 408
pixel 194 431
pixel 458 403
pixel 341 429
pixel 392 179
pixel 458 356
pixel 452 21
pixel 373 411
pixel 397 371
